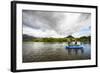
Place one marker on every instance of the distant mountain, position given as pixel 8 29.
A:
pixel 27 37
pixel 70 36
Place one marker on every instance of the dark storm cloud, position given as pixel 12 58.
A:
pixel 37 19
pixel 84 16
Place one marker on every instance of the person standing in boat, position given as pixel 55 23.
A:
pixel 78 43
pixel 69 43
pixel 75 42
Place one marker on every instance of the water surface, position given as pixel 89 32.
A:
pixel 45 51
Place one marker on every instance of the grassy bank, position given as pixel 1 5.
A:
pixel 85 39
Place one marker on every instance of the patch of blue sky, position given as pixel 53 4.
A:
pixel 85 31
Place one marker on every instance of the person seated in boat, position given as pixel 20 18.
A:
pixel 74 43
pixel 71 43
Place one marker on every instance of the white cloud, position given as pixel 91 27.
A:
pixel 53 24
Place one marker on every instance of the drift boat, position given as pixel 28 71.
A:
pixel 74 47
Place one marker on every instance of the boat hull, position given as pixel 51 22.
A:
pixel 73 47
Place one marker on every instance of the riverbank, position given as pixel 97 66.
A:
pixel 58 40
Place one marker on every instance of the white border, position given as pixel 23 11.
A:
pixel 37 65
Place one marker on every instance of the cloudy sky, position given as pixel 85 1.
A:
pixel 56 24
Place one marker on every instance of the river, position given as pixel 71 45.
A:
pixel 45 51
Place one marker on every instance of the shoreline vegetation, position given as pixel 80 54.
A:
pixel 70 38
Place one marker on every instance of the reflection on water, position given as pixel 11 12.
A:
pixel 43 51
pixel 76 51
